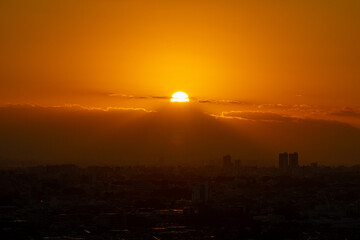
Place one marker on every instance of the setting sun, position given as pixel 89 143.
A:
pixel 180 97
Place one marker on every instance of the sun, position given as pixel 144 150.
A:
pixel 180 97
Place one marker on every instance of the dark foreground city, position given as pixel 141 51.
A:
pixel 209 202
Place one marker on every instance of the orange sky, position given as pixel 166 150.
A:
pixel 291 57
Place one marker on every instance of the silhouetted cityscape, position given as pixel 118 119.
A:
pixel 226 201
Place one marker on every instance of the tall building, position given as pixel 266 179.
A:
pixel 314 165
pixel 237 163
pixel 293 160
pixel 283 161
pixel 237 166
pixel 227 164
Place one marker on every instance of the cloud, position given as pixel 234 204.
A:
pixel 221 101
pixel 67 107
pixel 127 96
pixel 193 99
pixel 290 107
pixel 82 135
pixel 160 97
pixel 346 112
pixel 256 116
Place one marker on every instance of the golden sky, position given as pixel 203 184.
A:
pixel 286 56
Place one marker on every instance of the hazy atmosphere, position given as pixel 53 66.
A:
pixel 172 135
pixel 90 81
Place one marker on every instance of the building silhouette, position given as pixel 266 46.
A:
pixel 288 161
pixel 227 164
pixel 293 160
pixel 283 161
pixel 237 164
pixel 314 164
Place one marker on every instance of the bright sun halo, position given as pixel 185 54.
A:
pixel 180 97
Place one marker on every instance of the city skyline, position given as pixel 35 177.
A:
pixel 180 119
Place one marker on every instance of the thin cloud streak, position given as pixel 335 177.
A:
pixel 347 112
pixel 73 107
pixel 194 99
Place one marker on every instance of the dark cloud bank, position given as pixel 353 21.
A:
pixel 172 135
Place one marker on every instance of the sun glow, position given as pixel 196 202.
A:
pixel 180 97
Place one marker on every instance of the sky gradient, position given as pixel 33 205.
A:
pixel 235 59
